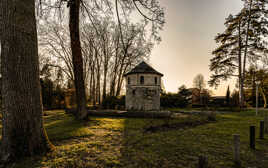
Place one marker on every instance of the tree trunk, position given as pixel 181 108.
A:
pixel 23 133
pixel 98 86
pixel 120 75
pixel 241 85
pixel 90 87
pixel 77 59
pixel 243 73
pixel 264 98
pixel 104 83
pixel 94 87
pixel 246 42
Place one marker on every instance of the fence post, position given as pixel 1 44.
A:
pixel 237 149
pixel 252 137
pixel 203 162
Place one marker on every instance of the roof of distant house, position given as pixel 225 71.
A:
pixel 143 67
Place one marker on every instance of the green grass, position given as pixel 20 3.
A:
pixel 190 109
pixel 124 142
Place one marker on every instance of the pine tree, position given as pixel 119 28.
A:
pixel 228 96
pixel 242 42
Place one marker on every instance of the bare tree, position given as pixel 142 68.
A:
pixel 199 83
pixel 89 10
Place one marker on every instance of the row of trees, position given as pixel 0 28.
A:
pixel 243 43
pixel 105 58
pixel 90 11
pixel 23 132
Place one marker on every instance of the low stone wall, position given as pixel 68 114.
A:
pixel 132 114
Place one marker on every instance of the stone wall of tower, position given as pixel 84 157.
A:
pixel 143 96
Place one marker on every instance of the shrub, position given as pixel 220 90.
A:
pixel 52 94
pixel 170 100
pixel 113 102
pixel 198 105
pixel 235 99
pixel 211 116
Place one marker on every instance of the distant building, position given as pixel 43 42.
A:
pixel 195 95
pixel 143 87
pixel 200 98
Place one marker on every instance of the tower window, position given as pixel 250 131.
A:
pixel 128 80
pixel 142 80
pixel 155 80
pixel 133 92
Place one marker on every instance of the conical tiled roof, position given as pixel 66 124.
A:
pixel 143 67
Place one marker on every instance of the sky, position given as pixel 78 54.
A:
pixel 188 40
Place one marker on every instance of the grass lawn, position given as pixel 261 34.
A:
pixel 130 143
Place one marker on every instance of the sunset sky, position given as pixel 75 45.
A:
pixel 188 40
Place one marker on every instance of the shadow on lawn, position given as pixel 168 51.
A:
pixel 180 147
pixel 154 143
pixel 68 135
pixel 125 143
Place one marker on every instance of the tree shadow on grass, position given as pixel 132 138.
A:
pixel 180 147
pixel 66 128
pixel 65 133
pixel 154 149
pixel 124 142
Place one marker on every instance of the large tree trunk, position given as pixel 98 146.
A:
pixel 23 132
pixel 77 59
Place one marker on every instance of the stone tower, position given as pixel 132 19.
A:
pixel 143 86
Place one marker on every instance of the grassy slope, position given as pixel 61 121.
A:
pixel 113 142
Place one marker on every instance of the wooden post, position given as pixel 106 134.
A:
pixel 266 123
pixel 237 149
pixel 252 137
pixel 262 130
pixel 203 162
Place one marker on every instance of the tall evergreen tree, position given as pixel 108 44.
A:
pixel 242 42
pixel 23 133
pixel 228 96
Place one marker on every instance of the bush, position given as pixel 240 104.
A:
pixel 235 99
pixel 211 116
pixel 113 102
pixel 198 106
pixel 173 101
pixel 52 95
